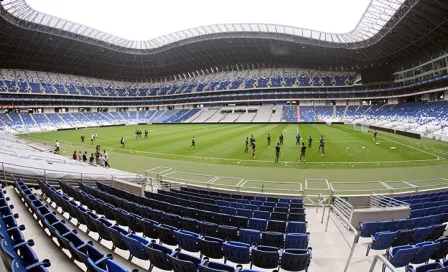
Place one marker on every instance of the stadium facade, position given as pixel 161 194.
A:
pixel 386 71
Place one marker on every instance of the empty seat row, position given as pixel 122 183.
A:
pixel 241 196
pixel 79 250
pixel 370 228
pixel 16 250
pixel 436 266
pixel 251 236
pixel 428 197
pixel 403 256
pixel 430 204
pixel 384 240
pixel 429 211
pixel 266 257
pixel 162 211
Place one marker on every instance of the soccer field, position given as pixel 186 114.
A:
pixel 350 155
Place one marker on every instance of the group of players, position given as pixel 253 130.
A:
pixel 281 138
pixel 138 134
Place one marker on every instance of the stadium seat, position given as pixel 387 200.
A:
pixel 250 236
pixel 272 239
pixel 401 256
pixel 228 233
pixel 182 262
pixel 381 241
pixel 207 266
pixel 297 240
pixel 426 250
pixel 257 224
pixel 210 247
pixel 158 256
pixel 265 257
pixel 431 267
pixel 296 259
pixel 135 245
pixel 236 252
pixel 296 227
pixel 404 237
pixel 187 240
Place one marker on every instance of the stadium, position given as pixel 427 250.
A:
pixel 224 146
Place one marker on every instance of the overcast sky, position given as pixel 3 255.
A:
pixel 148 19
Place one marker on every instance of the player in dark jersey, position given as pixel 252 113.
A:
pixel 277 152
pixel 269 140
pixel 320 143
pixel 302 152
pixel 310 142
pixel 247 145
pixel 82 138
pixel 193 142
pixel 146 133
pixel 298 139
pixel 252 139
pixel 374 134
pixel 253 149
pixel 281 138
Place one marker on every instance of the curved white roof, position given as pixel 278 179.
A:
pixel 371 20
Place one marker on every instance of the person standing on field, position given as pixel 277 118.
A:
pixel 277 152
pixel 106 159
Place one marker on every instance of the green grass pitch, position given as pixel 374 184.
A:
pixel 350 155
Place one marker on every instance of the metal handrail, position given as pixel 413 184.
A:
pixel 348 225
pixel 384 261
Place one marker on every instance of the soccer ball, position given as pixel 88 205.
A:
pixel 348 148
pixel 363 147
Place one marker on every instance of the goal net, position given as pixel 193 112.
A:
pixel 361 127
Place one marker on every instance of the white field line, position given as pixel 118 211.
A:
pixel 260 161
pixel 423 151
pixel 242 184
pixel 340 131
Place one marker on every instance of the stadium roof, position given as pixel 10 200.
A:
pixel 389 32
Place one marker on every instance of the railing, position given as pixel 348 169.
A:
pixel 385 262
pixel 339 208
pixel 381 201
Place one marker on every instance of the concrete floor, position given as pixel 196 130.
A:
pixel 330 250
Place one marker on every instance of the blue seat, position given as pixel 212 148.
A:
pixel 183 263
pixel 272 239
pixel 404 237
pixel 135 245
pixel 207 228
pixel 83 253
pixel 207 266
pixel 249 236
pixel 187 240
pixel 422 234
pixel 389 226
pixel 296 259
pixel 265 257
pixel 148 228
pixel 109 266
pixel 370 228
pixel 401 256
pixel 116 233
pixel 244 212
pixel 262 214
pixel 441 251
pixel 426 250
pixel 210 247
pixel 236 252
pixel 276 225
pixel 296 227
pixel 228 210
pixel 236 205
pixel 222 203
pixel 297 240
pixel 404 224
pixel 251 207
pixel 158 256
pixel 436 232
pixel 258 224
pixel 431 267
pixel 166 234
pixel 381 241
pixel 228 233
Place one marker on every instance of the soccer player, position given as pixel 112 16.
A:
pixel 298 139
pixel 247 145
pixel 57 146
pixel 277 152
pixel 253 149
pixel 310 142
pixel 146 133
pixel 252 139
pixel 91 138
pixel 281 138
pixel 302 152
pixel 269 139
pixel 82 138
pixel 193 142
pixel 122 142
pixel 374 134
pixel 136 134
pixel 96 136
pixel 320 142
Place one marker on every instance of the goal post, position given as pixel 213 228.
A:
pixel 361 127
